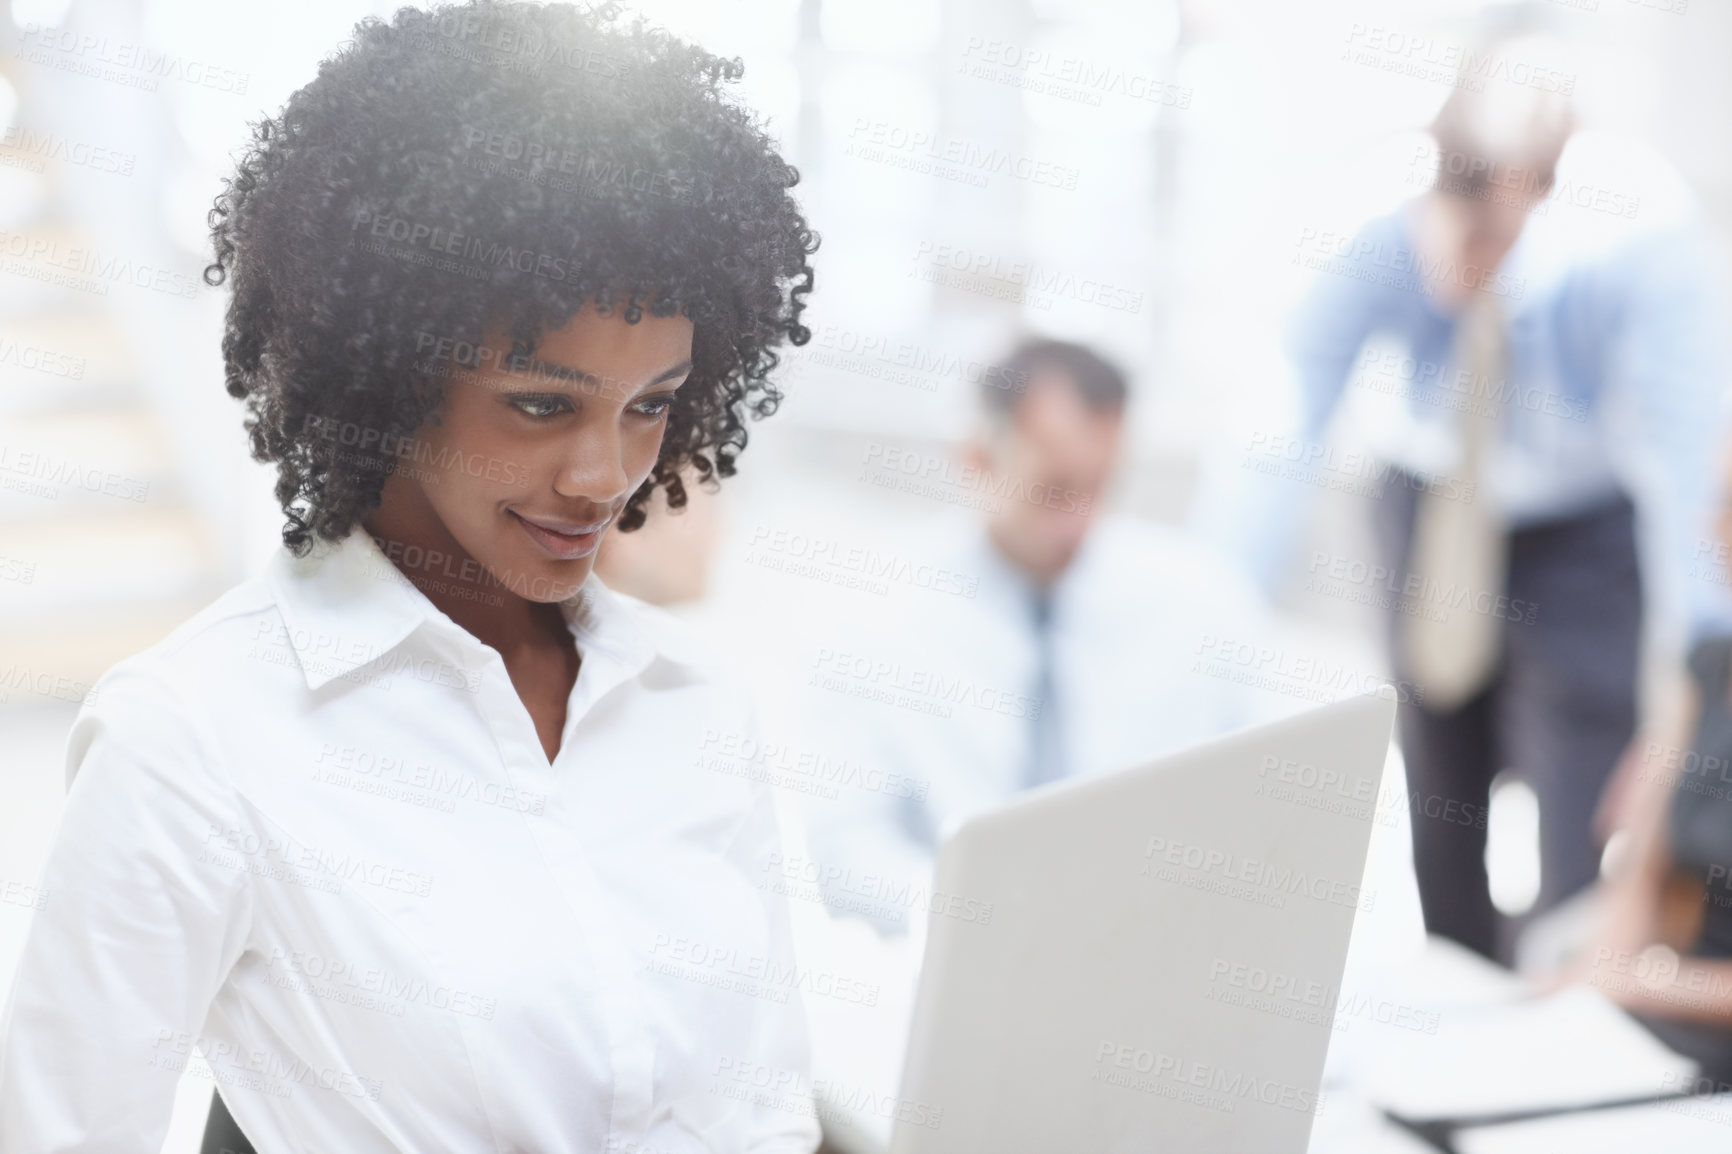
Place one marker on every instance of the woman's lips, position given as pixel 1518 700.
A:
pixel 560 540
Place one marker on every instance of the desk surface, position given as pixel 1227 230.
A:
pixel 1688 1126
pixel 1484 1044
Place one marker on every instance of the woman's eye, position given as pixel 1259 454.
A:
pixel 539 407
pixel 654 406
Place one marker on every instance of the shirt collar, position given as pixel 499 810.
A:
pixel 345 605
pixel 1000 572
pixel 1522 269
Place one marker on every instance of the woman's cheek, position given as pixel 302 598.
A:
pixel 646 451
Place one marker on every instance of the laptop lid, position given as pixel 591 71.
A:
pixel 1148 960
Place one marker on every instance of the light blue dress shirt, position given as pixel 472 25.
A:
pixel 1616 374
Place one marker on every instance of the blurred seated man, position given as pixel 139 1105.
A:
pixel 1077 642
pixel 1071 642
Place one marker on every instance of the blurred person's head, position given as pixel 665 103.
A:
pixel 1049 440
pixel 1499 136
pixel 500 272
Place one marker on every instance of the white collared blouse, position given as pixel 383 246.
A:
pixel 313 849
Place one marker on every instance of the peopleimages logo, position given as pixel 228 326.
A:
pixel 1397 266
pixel 1417 591
pixel 476 252
pixel 565 170
pixel 1305 675
pixel 1066 77
pixel 476 34
pixel 1260 882
pixel 280 1072
pixel 366 439
pixel 369 986
pixel 1119 1063
pixel 943 472
pixel 853 348
pixel 1425 57
pixel 1460 389
pixel 755 975
pixel 60 472
pixel 924 690
pixel 844 889
pixel 44 683
pixel 1036 278
pixel 44 258
pixel 40 360
pixel 1247 986
pixel 814 771
pixel 274 856
pixel 794 551
pixel 35 148
pixel 951 157
pixel 343 764
pixel 84 53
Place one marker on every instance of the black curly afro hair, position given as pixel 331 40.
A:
pixel 506 163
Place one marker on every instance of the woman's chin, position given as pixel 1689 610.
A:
pixel 545 581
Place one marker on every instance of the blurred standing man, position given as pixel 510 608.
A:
pixel 1551 380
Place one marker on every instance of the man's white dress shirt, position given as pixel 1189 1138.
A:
pixel 312 836
pixel 946 692
pixel 908 704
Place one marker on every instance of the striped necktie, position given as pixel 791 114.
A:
pixel 1458 555
pixel 1046 751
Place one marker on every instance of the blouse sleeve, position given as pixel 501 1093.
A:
pixel 141 916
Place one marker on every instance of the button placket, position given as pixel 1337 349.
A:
pixel 619 999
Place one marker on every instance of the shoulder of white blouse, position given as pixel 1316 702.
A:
pixel 206 649
pixel 167 698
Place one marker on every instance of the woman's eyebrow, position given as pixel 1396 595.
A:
pixel 546 370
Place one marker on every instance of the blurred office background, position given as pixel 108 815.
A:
pixel 1153 215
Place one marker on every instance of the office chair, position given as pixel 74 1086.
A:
pixel 221 1134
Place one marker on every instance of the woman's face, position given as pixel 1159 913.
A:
pixel 534 458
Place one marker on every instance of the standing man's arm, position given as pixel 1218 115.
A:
pixel 1666 368
pixel 1324 336
pixel 1670 358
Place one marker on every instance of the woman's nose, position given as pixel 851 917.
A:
pixel 592 464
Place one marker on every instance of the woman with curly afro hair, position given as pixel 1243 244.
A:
pixel 424 840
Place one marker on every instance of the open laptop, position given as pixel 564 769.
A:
pixel 1153 957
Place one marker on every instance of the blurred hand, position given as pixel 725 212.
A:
pixel 1634 799
pixel 1571 973
pixel 1618 808
pixel 1621 989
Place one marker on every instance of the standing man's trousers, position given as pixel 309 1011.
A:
pixel 1557 713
